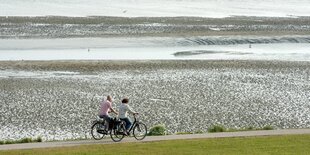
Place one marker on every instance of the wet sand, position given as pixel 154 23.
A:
pixel 59 99
pixel 80 27
pixel 102 65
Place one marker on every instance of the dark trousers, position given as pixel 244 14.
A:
pixel 128 123
pixel 108 119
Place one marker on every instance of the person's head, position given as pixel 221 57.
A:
pixel 109 98
pixel 125 100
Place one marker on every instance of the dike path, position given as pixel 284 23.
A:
pixel 107 140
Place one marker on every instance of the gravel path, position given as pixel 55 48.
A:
pixel 107 140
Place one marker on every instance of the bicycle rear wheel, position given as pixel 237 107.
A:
pixel 117 133
pixel 96 131
pixel 140 131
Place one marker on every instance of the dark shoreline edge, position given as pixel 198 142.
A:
pixel 180 19
pixel 101 65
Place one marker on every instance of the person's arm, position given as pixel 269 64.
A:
pixel 130 110
pixel 114 111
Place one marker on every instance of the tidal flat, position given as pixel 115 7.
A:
pixel 14 27
pixel 59 99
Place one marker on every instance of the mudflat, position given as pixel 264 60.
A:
pixel 101 26
pixel 59 99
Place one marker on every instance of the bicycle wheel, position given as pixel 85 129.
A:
pixel 117 134
pixel 96 133
pixel 140 131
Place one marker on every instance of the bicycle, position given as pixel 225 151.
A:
pixel 138 129
pixel 117 129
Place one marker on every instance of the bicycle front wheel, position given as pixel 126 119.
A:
pixel 140 131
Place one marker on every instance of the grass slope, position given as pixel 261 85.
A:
pixel 291 144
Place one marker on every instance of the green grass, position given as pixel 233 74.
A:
pixel 24 140
pixel 188 133
pixel 183 133
pixel 290 144
pixel 157 130
pixel 267 127
pixel 217 128
pixel 220 128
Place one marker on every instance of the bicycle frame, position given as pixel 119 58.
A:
pixel 134 123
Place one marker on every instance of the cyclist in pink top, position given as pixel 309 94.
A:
pixel 105 108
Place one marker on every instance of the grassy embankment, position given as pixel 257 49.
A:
pixel 289 144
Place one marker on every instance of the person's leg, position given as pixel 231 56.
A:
pixel 102 124
pixel 108 120
pixel 128 123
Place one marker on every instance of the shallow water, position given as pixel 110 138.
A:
pixel 151 8
pixel 293 48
